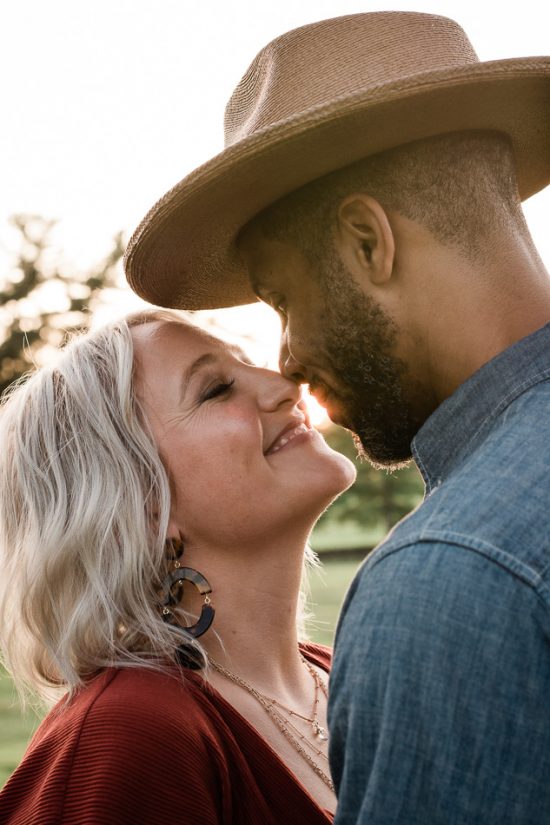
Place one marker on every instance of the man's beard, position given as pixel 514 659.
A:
pixel 359 338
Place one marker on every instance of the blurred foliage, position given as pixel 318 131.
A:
pixel 378 499
pixel 42 299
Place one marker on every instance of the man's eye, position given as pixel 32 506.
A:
pixel 278 303
pixel 220 388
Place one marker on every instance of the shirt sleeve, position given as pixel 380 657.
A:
pixel 439 708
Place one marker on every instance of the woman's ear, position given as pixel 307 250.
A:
pixel 174 530
pixel 365 240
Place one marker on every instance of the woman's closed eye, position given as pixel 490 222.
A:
pixel 216 389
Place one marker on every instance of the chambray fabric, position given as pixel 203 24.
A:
pixel 439 706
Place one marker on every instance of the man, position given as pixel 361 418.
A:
pixel 370 192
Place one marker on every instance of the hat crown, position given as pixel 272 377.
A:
pixel 324 62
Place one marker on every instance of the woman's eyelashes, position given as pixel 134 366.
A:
pixel 214 390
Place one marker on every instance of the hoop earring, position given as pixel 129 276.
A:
pixel 173 591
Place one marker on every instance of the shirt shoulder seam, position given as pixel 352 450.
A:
pixel 540 377
pixel 491 552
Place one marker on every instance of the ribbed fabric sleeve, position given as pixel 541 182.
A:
pixel 148 748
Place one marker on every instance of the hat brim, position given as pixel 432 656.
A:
pixel 183 254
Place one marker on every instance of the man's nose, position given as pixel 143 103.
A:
pixel 289 366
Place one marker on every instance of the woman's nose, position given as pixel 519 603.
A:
pixel 276 390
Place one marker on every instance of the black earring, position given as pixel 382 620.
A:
pixel 173 591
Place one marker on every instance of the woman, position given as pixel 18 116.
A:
pixel 154 480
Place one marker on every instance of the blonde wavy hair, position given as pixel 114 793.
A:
pixel 84 509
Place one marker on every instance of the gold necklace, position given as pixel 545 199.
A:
pixel 296 739
pixel 318 730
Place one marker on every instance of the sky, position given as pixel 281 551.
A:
pixel 107 104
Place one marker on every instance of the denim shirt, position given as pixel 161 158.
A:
pixel 439 708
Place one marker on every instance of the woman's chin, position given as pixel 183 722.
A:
pixel 336 476
pixel 342 470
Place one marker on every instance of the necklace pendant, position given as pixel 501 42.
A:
pixel 320 731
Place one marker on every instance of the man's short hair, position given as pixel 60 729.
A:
pixel 460 186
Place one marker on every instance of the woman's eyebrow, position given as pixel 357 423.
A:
pixel 202 361
pixel 208 358
pixel 234 349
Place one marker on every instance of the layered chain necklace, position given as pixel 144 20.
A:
pixel 307 749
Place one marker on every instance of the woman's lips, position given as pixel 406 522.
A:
pixel 288 437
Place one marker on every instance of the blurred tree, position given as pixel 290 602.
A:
pixel 378 498
pixel 42 299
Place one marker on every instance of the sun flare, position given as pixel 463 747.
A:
pixel 317 414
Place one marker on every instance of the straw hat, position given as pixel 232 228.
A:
pixel 314 100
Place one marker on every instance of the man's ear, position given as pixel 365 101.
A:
pixel 364 239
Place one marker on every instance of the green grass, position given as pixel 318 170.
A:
pixel 17 728
pixel 344 535
pixel 328 587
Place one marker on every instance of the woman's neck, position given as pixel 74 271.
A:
pixel 255 592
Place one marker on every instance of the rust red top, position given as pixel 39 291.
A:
pixel 148 748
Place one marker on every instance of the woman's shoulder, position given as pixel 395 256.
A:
pixel 113 746
pixel 134 711
pixel 145 703
pixel 318 654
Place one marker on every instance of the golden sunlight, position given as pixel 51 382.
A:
pixel 317 414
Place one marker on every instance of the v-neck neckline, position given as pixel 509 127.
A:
pixel 208 689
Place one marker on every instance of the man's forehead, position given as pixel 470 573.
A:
pixel 269 261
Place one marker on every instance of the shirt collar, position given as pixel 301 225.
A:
pixel 450 432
